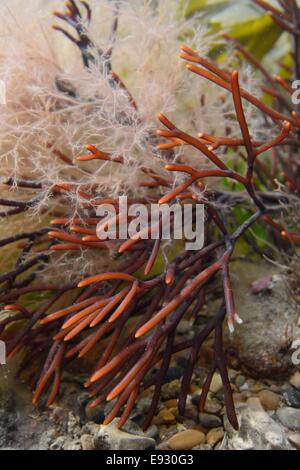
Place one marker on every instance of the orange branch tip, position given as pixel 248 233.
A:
pixel 106 277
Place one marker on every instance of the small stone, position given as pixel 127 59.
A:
pixel 194 389
pixel 209 421
pixel 232 373
pixel 212 406
pixel 254 403
pixel 269 400
pixel 191 412
pixel 144 403
pixel 261 284
pixel 214 436
pixel 111 438
pixel 87 442
pixel 289 417
pixel 216 383
pixel 186 440
pixel 295 440
pixel 275 388
pixel 170 390
pixel 256 388
pixel 171 403
pixel 292 396
pixel 295 380
pixel 152 431
pixel 240 380
pixel 165 416
pixel 239 397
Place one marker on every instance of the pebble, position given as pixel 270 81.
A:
pixel 186 440
pixel 216 383
pixel 191 412
pixel 194 389
pixel 256 388
pixel 171 403
pixel 165 416
pixel 295 440
pixel 275 388
pixel 209 421
pixel 212 406
pixel 214 436
pixel 109 437
pixel 295 380
pixel 144 403
pixel 170 390
pixel 292 396
pixel 289 417
pixel 240 380
pixel 269 400
pixel 240 397
pixel 87 442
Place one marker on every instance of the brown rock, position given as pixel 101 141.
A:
pixel 165 416
pixel 269 400
pixel 214 436
pixel 295 440
pixel 186 440
pixel 193 389
pixel 171 403
pixel 295 380
pixel 239 397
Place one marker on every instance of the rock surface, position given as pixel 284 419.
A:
pixel 289 417
pixel 111 438
pixel 257 431
pixel 295 440
pixel 260 346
